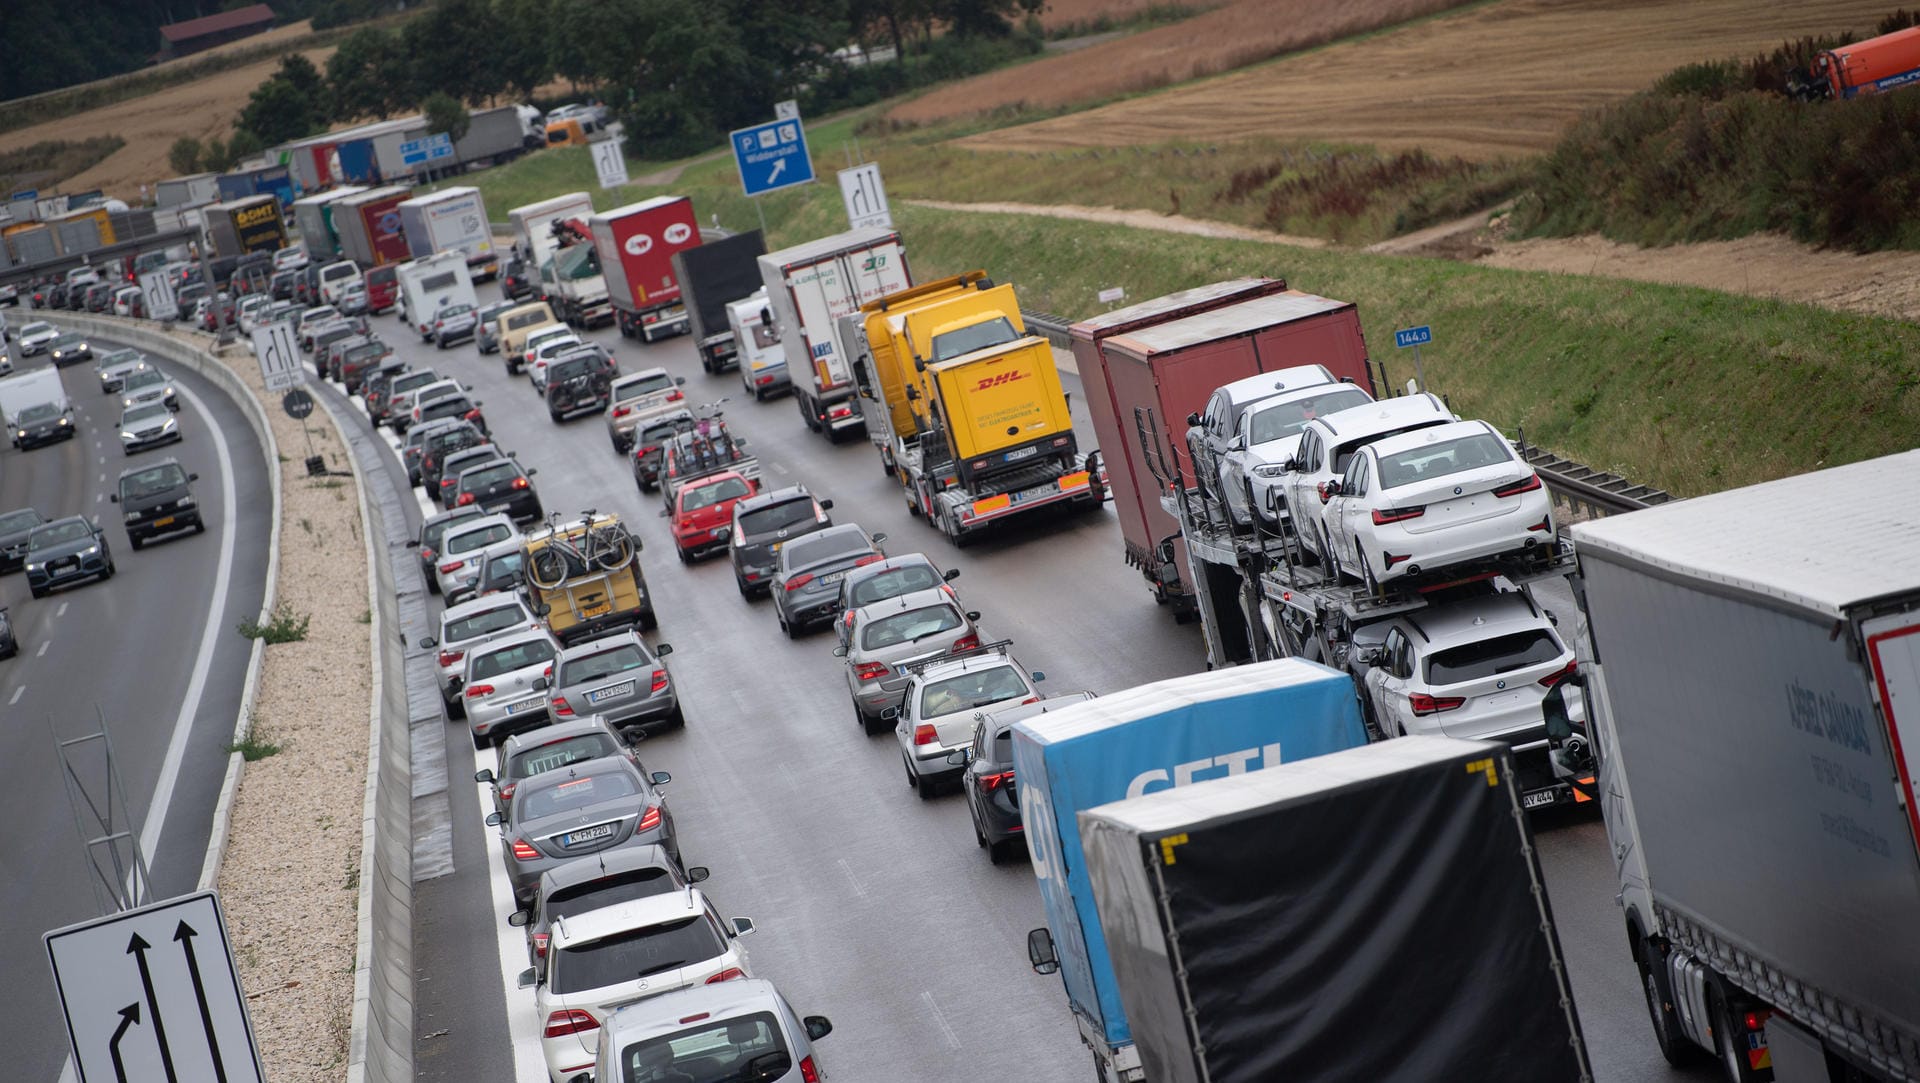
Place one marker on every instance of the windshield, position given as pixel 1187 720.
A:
pixel 338 271
pixel 502 568
pixel 36 329
pixel 532 652
pixel 456 310
pixel 1283 419
pixel 58 534
pixel 67 342
pixel 893 583
pixel 621 958
pixel 18 520
pixel 412 380
pixel 446 407
pixel 713 1051
pixel 43 412
pixel 1431 461
pixel 586 746
pixel 145 413
pixel 971 691
pixel 1343 454
pixel 978 336
pixel 380 276
pixel 438 282
pixel 706 496
pixel 1501 654
pixel 315 315
pixel 622 659
pixel 778 517
pixel 654 434
pixel 157 479
pixel 909 626
pixel 482 624
pixel 478 539
pixel 643 385
pixel 562 371
pixel 573 794
pixel 487 476
pixel 528 319
pixel 117 357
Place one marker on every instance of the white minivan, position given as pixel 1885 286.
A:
pixel 335 278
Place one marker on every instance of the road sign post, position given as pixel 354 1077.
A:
pixel 152 994
pixel 279 355
pixel 609 162
pixel 865 197
pixel 1415 337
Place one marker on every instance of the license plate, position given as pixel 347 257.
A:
pixel 523 705
pixel 833 577
pixel 597 608
pixel 575 838
pixel 168 521
pixel 610 693
pixel 1022 453
pixel 1539 798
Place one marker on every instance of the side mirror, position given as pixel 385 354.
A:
pixel 542 609
pixel 950 575
pixel 878 538
pixel 959 757
pixel 742 926
pixel 1040 953
pixel 455 684
pixel 113 498
pixel 1371 656
pixel 1238 443
pixel 193 477
pixel 679 381
pixel 766 1066
pixel 520 919
pixel 1192 419
pixel 1038 676
pixel 890 713
pixel 973 614
pixel 660 778
pixel 532 470
pixel 485 774
pixel 427 643
pixel 1291 466
pixel 697 874
pixel 840 651
pixel 818 1026
pixel 666 513
pixel 663 649
pixel 827 504
pixel 1329 490
pixel 526 980
pixel 541 684
pixel 493 819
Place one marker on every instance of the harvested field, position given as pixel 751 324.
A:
pixel 1240 33
pixel 1083 14
pixel 1496 80
pixel 204 109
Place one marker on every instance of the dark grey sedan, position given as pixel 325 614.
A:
pixel 66 551
pixel 14 528
pixel 500 485
pixel 617 678
pixel 577 810
pixel 806 582
pixel 889 578
pixel 42 424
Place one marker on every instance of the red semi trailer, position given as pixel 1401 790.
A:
pixel 636 244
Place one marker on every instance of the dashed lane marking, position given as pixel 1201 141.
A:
pixel 62 611
pixel 42 652
pixel 17 693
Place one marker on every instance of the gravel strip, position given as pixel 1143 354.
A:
pixel 290 880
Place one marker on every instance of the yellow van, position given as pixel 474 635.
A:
pixel 584 578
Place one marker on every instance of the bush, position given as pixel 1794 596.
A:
pixel 282 627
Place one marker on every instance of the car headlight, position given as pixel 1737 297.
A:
pixel 66 421
pixel 1270 470
pixel 23 434
pixel 126 402
pixel 90 551
pixel 133 517
pixel 184 502
pixel 35 567
pixel 125 435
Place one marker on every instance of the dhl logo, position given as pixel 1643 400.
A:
pixel 1001 379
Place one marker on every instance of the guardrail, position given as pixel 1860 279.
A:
pixel 1049 326
pixel 1586 489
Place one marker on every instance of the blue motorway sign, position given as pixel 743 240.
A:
pixel 431 148
pixel 1413 336
pixel 772 156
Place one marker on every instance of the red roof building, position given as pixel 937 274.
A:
pixel 195 35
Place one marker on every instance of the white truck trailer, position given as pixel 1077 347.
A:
pixel 811 285
pixel 451 220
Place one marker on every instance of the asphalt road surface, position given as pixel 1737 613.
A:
pixel 152 650
pixel 874 908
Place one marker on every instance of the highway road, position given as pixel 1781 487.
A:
pixel 874 908
pixel 153 650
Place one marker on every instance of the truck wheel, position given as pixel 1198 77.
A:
pixel 1731 1050
pixel 1674 1044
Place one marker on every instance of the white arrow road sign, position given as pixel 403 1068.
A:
pixel 161 304
pixel 152 995
pixel 865 197
pixel 610 163
pixel 279 355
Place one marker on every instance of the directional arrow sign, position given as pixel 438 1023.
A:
pixel 772 156
pixel 152 996
pixel 279 355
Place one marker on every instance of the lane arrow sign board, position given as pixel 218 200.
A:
pixel 152 994
pixel 161 304
pixel 609 162
pixel 279 355
pixel 865 197
pixel 772 156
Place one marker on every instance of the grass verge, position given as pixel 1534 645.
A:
pixel 45 164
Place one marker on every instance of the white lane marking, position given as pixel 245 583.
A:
pixel 99 497
pixel 940 1018
pixel 103 477
pixel 523 1021
pixel 859 888
pixel 17 693
pixel 779 467
pixel 62 611
pixel 209 637
pixel 42 652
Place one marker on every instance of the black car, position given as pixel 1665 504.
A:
pixel 66 551
pixel 70 349
pixel 157 499
pixel 993 802
pixel 500 486
pixel 42 424
pixel 763 523
pixel 808 574
pixel 14 528
pixel 281 288
pixel 416 444
pixel 9 645
pixel 515 283
pixel 362 357
pixel 99 296
pixel 579 382
pixel 187 298
pixel 451 406
pixel 427 545
pixel 373 387
pixel 435 449
pixel 453 462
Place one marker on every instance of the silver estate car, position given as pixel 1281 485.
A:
pixel 618 678
pixel 941 699
pixel 460 550
pixel 741 1029
pixel 887 634
pixel 469 625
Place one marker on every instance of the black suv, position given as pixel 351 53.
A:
pixel 762 524
pixel 501 485
pixel 579 381
pixel 157 499
pixel 515 283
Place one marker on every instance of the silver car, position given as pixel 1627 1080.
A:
pixel 889 578
pixel 617 678
pixel 498 685
pixel 550 747
pixel 886 635
pixel 147 425
pixel 453 323
pixel 478 562
pixel 461 547
pixel 741 1022
pixel 114 367
pixel 580 809
pixel 151 385
pixel 469 625
pixel 397 410
pixel 637 398
pixel 36 337
pixel 808 571
pixel 941 699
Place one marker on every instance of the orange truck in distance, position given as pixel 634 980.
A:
pixel 1874 66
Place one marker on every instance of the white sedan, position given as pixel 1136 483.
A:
pixel 36 337
pixel 1435 498
pixel 1268 436
pixel 942 698
pixel 1327 444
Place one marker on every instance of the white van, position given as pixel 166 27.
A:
pixel 335 278
pixel 428 285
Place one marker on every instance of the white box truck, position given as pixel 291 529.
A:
pixel 451 220
pixel 1752 684
pixel 811 285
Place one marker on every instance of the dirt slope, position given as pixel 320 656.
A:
pixel 1498 79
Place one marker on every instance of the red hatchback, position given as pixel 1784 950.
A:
pixel 702 513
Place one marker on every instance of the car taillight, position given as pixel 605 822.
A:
pixel 651 819
pixel 1383 516
pixel 519 483
pixel 676 396
pixel 540 945
pixel 1560 674
pixel 646 451
pixel 870 558
pixel 925 734
pixel 728 974
pixel 475 691
pixel 570 1021
pixel 621 411
pixel 800 580
pixel 1524 485
pixel 762 381
pixel 448 483
pixel 870 671
pixel 523 850
pixel 472 415
pixel 968 642
pixel 437 325
pixel 448 658
pixel 562 707
pixel 1424 704
pixel 808 1073
pixel 839 411
pixel 659 680
pixel 996 780
pixel 506 791
pixel 452 566
pixel 465 499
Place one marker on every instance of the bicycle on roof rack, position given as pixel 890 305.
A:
pixel 601 545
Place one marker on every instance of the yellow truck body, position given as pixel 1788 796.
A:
pixel 1002 394
pixel 590 601
pixel 886 340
